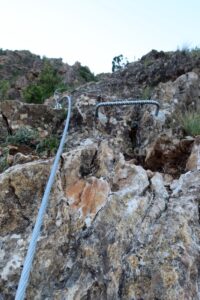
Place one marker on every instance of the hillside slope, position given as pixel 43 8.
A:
pixel 20 69
pixel 123 216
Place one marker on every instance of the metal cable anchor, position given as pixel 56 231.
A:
pixel 128 102
pixel 57 98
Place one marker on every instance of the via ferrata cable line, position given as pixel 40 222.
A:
pixel 36 231
pixel 21 290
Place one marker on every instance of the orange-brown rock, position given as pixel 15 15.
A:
pixel 89 196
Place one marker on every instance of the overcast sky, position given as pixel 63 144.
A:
pixel 94 31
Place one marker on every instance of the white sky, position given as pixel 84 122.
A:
pixel 94 31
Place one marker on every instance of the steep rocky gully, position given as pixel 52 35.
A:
pixel 123 216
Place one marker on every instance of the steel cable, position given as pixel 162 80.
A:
pixel 36 231
pixel 128 102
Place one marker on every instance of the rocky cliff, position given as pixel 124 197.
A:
pixel 19 69
pixel 123 216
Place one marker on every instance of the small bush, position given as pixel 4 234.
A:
pixel 190 121
pixel 23 136
pixel 33 94
pixel 48 145
pixel 4 88
pixel 195 52
pixel 147 62
pixel 86 74
pixel 146 93
pixel 47 83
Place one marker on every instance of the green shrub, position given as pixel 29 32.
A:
pixel 29 137
pixel 49 145
pixel 47 83
pixel 146 93
pixel 49 79
pixel 190 121
pixel 23 136
pixel 63 87
pixel 147 62
pixel 33 94
pixel 195 52
pixel 4 87
pixel 86 74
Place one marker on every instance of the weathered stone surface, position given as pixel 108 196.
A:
pixel 3 128
pixel 193 162
pixel 39 117
pixel 20 158
pixel 168 155
pixel 141 241
pixel 105 160
pixel 20 185
pixel 88 197
pixel 182 93
pixel 129 178
pixel 123 216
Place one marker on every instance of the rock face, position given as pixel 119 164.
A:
pixel 139 78
pixel 181 93
pixel 123 214
pixel 97 243
pixel 16 114
pixel 169 155
pixel 193 162
pixel 18 69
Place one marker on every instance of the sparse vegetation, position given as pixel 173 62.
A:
pixel 146 93
pixel 48 146
pixel 31 138
pixel 48 82
pixel 190 121
pixel 24 136
pixel 4 87
pixel 194 52
pixel 147 62
pixel 185 47
pixel 86 74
